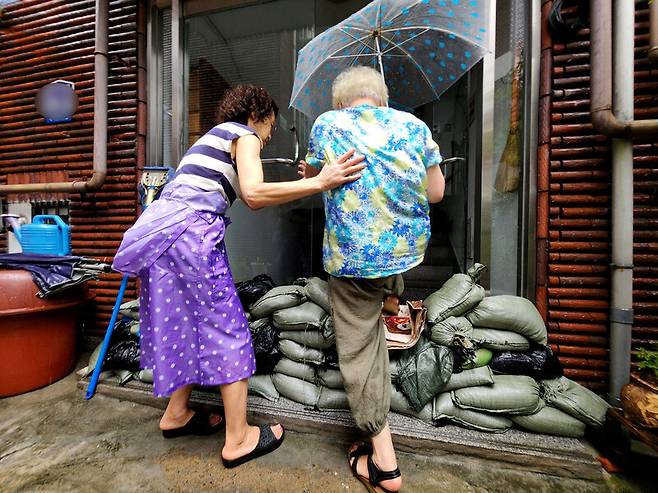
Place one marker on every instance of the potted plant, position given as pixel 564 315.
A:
pixel 639 398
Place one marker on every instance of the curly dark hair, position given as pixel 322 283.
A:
pixel 243 101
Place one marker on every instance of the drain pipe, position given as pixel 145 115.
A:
pixel 653 36
pixel 100 119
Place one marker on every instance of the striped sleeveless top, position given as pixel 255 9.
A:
pixel 208 164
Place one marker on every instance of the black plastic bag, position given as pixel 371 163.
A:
pixel 266 347
pixel 251 291
pixel 539 363
pixel 331 359
pixel 124 355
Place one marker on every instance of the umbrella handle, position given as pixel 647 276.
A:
pixel 91 390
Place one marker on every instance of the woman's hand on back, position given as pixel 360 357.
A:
pixel 345 170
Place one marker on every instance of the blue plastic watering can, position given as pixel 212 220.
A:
pixel 42 237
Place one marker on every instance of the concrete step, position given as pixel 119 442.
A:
pixel 513 450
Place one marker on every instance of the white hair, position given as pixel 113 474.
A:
pixel 358 82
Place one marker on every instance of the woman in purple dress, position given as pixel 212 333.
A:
pixel 193 327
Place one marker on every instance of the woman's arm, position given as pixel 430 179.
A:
pixel 436 184
pixel 257 193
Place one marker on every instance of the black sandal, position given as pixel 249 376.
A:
pixel 375 474
pixel 267 442
pixel 199 424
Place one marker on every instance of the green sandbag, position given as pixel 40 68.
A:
pixel 307 316
pixel 297 352
pixel 277 298
pixel 511 313
pixel 330 378
pixel 328 329
pixel 93 357
pixel 400 405
pixel 482 358
pixel 295 369
pixel 551 421
pixel 296 390
pixel 317 291
pixel 332 399
pixel 499 340
pixel 470 378
pixel 263 386
pixel 423 371
pixel 309 338
pixel 458 295
pixel 575 400
pixel 445 409
pixel 510 394
pixel 452 332
pixel 145 375
pixel 124 376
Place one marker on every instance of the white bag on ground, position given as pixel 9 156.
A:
pixel 277 298
pixel 307 316
pixel 445 409
pixel 297 352
pixel 317 291
pixel 510 394
pixel 452 332
pixel 551 421
pixel 511 313
pixel 309 338
pixel 296 390
pixel 470 378
pixel 400 405
pixel 295 369
pixel 458 295
pixel 330 378
pixel 499 340
pixel 263 386
pixel 575 400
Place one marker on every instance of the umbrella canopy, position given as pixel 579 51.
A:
pixel 421 47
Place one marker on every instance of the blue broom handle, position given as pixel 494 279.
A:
pixel 91 390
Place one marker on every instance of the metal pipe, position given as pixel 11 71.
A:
pixel 621 302
pixel 653 36
pixel 603 119
pixel 100 119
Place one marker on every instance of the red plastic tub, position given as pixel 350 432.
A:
pixel 37 335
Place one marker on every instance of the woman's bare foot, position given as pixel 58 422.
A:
pixel 235 449
pixel 362 469
pixel 172 420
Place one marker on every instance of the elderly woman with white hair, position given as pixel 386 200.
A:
pixel 376 229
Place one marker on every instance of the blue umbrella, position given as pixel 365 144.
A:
pixel 421 47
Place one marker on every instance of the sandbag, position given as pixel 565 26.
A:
pixel 124 376
pixel 445 409
pixel 296 390
pixel 330 378
pixel 481 358
pixel 307 316
pixel 328 329
pixel 423 371
pixel 277 298
pixel 575 400
pixel 551 421
pixel 263 386
pixel 265 340
pixel 297 352
pixel 539 363
pixel 317 291
pixel 452 332
pixel 510 394
pixel 295 369
pixel 130 309
pixel 145 375
pixel 251 291
pixel 309 338
pixel 499 340
pixel 400 405
pixel 470 378
pixel 511 313
pixel 332 399
pixel 458 295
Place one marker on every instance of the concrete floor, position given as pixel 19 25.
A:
pixel 52 440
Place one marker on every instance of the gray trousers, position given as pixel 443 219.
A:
pixel 356 306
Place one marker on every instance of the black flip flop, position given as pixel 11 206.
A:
pixel 199 424
pixel 267 442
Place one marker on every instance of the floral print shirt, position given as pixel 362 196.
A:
pixel 378 225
